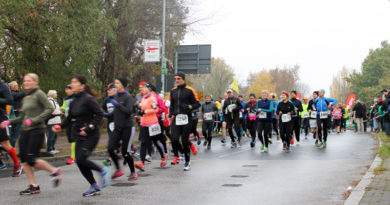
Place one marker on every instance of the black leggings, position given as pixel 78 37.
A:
pixel 296 127
pixel 146 141
pixel 30 143
pixel 229 126
pixel 322 125
pixel 182 131
pixel 285 132
pixel 265 127
pixel 121 134
pixel 84 149
pixel 252 127
pixel 207 128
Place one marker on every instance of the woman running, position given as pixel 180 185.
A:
pixel 35 110
pixel 84 116
pixel 265 109
pixel 251 111
pixel 123 124
pixel 150 128
pixel 284 110
pixel 337 115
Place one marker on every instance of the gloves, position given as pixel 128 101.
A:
pixel 187 108
pixel 141 112
pixel 114 102
pixel 28 122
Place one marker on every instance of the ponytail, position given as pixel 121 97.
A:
pixel 84 81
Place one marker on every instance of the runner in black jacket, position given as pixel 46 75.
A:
pixel 231 108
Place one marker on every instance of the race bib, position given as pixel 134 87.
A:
pixel 181 119
pixel 324 115
pixel 232 107
pixel 313 114
pixel 154 130
pixel 208 116
pixel 240 114
pixel 286 118
pixel 163 116
pixel 111 126
pixel 337 113
pixel 262 115
pixel 313 123
pixel 305 115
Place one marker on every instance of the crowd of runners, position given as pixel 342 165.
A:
pixel 168 124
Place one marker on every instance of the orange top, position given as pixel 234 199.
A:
pixel 149 104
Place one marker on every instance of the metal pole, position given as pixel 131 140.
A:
pixel 163 47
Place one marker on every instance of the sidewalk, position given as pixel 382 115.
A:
pixel 378 192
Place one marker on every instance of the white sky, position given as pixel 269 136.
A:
pixel 320 36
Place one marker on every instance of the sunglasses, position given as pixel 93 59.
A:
pixel 176 78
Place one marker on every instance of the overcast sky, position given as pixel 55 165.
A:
pixel 320 36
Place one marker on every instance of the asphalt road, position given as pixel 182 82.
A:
pixel 221 175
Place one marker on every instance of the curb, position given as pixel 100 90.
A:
pixel 358 192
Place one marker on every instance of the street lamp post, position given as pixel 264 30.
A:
pixel 163 61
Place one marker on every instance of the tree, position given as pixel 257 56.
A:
pixel 262 81
pixel 217 82
pixel 286 78
pixel 374 74
pixel 340 86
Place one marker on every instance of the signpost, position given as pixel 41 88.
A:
pixel 193 59
pixel 152 51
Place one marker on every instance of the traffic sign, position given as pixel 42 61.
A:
pixel 152 51
pixel 193 59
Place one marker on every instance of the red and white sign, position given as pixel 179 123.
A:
pixel 350 100
pixel 152 51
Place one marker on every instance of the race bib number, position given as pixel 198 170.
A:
pixel 163 116
pixel 337 113
pixel 305 115
pixel 313 114
pixel 154 130
pixel 181 119
pixel 111 126
pixel 232 107
pixel 240 114
pixel 286 118
pixel 262 115
pixel 208 116
pixel 324 115
pixel 313 123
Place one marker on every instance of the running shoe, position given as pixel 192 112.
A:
pixel 17 171
pixel 3 166
pixel 105 174
pixel 252 144
pixel 140 165
pixel 288 149
pixel 324 145
pixel 261 147
pixel 284 146
pixel 181 156
pixel 56 177
pixel 107 162
pixel 205 143
pixel 270 140
pixel 92 191
pixel 234 145
pixel 319 144
pixel 148 158
pixel 31 190
pixel 209 146
pixel 266 149
pixel 70 161
pixel 193 149
pixel 133 176
pixel 175 161
pixel 187 166
pixel 292 140
pixel 167 156
pixel 117 174
pixel 163 162
pixel 223 140
pixel 316 143
pixel 199 142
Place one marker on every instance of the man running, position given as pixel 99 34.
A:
pixel 231 109
pixel 322 105
pixel 183 101
pixel 209 111
pixel 296 118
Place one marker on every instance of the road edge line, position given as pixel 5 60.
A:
pixel 358 192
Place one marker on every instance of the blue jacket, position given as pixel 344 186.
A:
pixel 243 106
pixel 275 105
pixel 268 107
pixel 321 104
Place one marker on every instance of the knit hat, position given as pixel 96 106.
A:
pixel 110 86
pixel 123 81
pixel 322 90
pixel 181 74
pixel 142 83
pixel 252 95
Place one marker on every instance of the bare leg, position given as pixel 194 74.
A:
pixel 29 173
